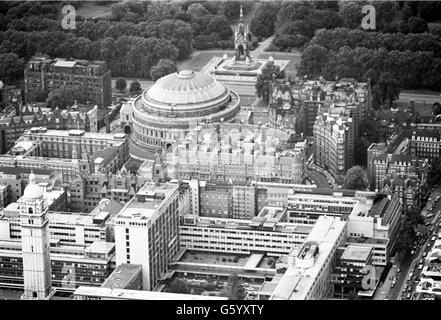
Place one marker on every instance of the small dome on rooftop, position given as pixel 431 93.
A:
pixel 33 191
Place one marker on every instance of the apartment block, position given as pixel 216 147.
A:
pixel 43 74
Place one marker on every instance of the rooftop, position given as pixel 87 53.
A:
pixel 123 294
pixel 298 279
pixel 147 201
pixel 74 133
pixel 357 253
pixel 123 276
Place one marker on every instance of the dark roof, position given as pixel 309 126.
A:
pixel 24 171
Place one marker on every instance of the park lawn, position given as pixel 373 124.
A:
pixel 199 59
pixel 294 59
pixel 90 10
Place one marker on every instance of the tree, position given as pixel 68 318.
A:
pixel 11 67
pixel 178 286
pixel 434 175
pixel 351 14
pixel 119 10
pixel 407 234
pixel 197 10
pixel 386 90
pixel 234 289
pixel 120 84
pixel 265 80
pixel 65 97
pixel 135 87
pixel 356 179
pixel 263 22
pixel 415 25
pixel 231 9
pixel 313 60
pixel 164 67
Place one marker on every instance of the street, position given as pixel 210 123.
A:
pixel 411 269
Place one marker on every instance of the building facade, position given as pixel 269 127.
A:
pixel 93 78
pixel 334 139
pixel 146 231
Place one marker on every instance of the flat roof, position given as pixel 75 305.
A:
pixel 123 275
pixel 70 218
pixel 124 294
pixel 65 64
pixel 357 253
pixel 100 247
pixel 77 133
pixel 147 200
pixel 297 281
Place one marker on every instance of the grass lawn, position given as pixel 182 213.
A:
pixel 90 10
pixel 294 58
pixel 199 59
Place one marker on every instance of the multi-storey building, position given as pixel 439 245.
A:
pixel 334 144
pixel 394 159
pixel 227 200
pixel 351 268
pixel 267 233
pixel 13 125
pixel 302 101
pixel 409 190
pixel 146 231
pixel 93 78
pixel 373 218
pixel 308 269
pixel 425 141
pixel 71 265
pixel 236 153
pixel 73 144
pixel 86 191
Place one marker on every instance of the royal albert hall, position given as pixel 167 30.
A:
pixel 176 102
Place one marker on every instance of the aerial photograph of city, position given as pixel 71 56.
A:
pixel 209 151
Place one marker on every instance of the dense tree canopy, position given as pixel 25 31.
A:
pixel 265 80
pixel 120 84
pixel 263 22
pixel 164 67
pixel 11 67
pixel 356 179
pixel 62 98
pixel 234 289
pixel 135 87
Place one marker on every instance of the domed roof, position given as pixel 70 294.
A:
pixel 32 191
pixel 185 87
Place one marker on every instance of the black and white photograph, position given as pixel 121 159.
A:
pixel 212 156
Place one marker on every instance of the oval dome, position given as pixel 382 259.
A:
pixel 33 190
pixel 185 87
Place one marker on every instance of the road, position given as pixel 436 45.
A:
pixel 429 97
pixel 383 290
pixel 318 178
pixel 406 284
pixel 261 48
